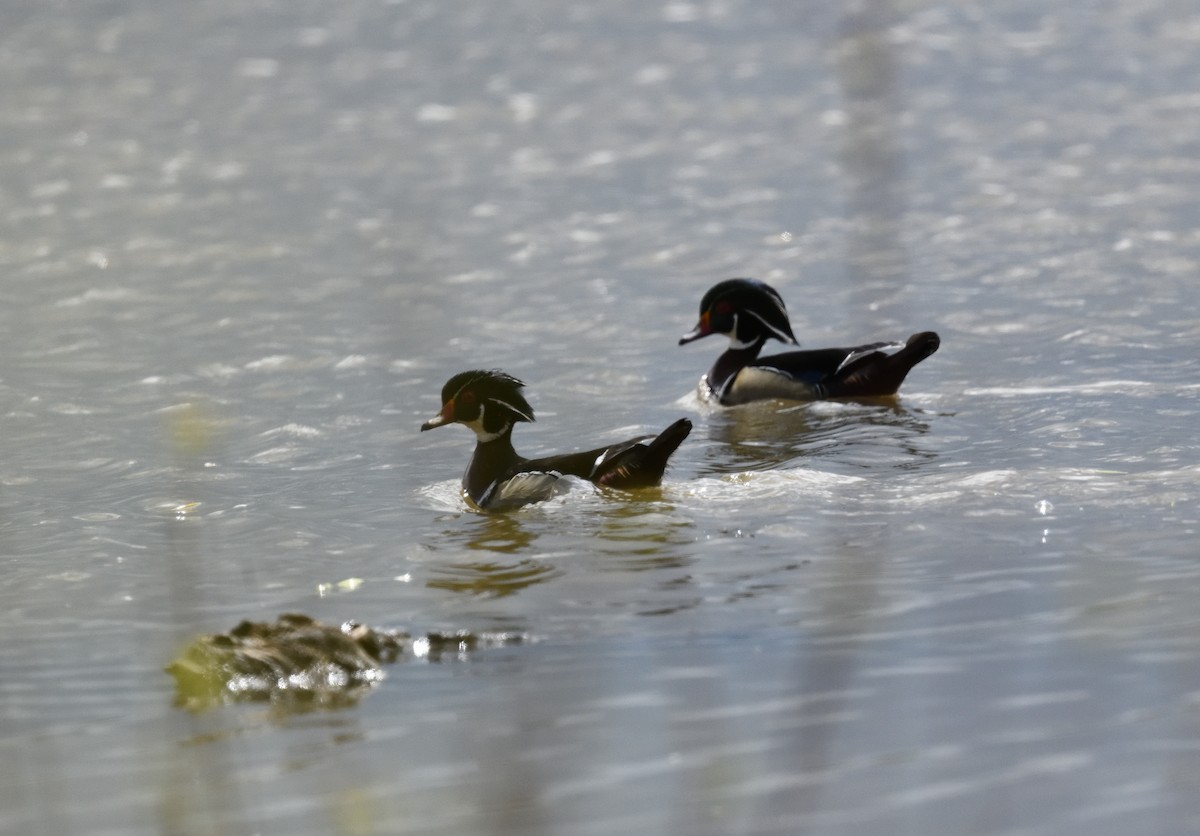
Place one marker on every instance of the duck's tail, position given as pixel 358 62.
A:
pixel 641 464
pixel 877 374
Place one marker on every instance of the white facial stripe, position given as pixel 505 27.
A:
pixel 461 388
pixel 783 337
pixel 510 408
pixel 774 296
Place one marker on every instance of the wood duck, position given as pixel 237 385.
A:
pixel 498 478
pixel 751 312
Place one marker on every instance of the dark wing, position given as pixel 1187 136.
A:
pixel 641 464
pixel 863 354
pixel 880 369
pixel 636 463
pixel 871 370
pixel 817 365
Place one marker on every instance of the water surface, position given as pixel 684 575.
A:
pixel 244 248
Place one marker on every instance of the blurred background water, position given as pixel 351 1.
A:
pixel 244 244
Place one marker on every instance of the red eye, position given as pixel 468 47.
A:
pixel 722 308
pixel 467 398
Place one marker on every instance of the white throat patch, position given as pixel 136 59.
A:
pixel 734 342
pixel 482 434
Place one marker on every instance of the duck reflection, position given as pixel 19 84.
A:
pixel 863 433
pixel 494 577
pixel 502 533
pixel 643 536
pixel 491 578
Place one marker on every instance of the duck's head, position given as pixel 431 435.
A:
pixel 747 311
pixel 489 402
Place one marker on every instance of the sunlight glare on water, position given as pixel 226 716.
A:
pixel 245 248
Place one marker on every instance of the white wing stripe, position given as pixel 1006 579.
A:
pixel 868 349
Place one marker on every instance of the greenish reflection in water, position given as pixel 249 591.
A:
pixel 492 578
pixel 496 535
pixel 627 531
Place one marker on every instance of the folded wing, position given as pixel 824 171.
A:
pixel 637 463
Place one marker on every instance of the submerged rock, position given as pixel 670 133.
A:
pixel 300 663
pixel 296 659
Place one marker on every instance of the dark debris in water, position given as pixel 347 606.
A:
pixel 302 664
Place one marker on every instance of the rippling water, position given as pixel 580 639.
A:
pixel 244 247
